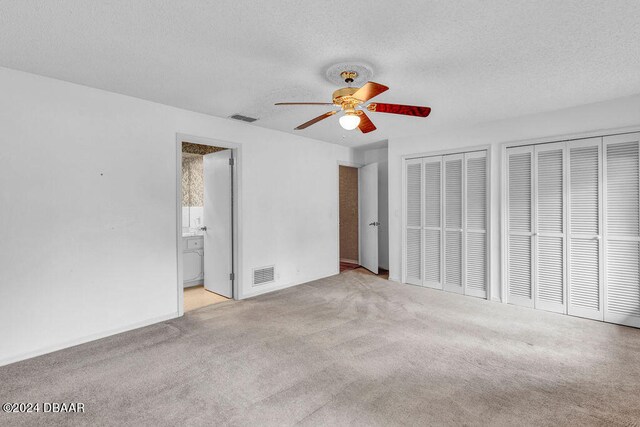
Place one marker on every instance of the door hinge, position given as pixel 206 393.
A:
pixel 231 161
pixel 232 276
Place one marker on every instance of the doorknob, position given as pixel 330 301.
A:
pixel 375 223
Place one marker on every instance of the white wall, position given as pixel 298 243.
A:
pixel 379 155
pixel 88 210
pixel 617 113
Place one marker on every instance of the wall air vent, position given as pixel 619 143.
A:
pixel 243 118
pixel 263 275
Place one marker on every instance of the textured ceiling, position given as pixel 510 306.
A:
pixel 471 61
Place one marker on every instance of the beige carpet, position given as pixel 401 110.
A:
pixel 351 349
pixel 197 297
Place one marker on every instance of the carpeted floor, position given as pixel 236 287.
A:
pixel 351 349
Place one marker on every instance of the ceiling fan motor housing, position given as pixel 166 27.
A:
pixel 344 97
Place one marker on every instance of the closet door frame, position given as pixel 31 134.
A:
pixel 404 159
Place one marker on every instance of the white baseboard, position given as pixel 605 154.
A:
pixel 85 339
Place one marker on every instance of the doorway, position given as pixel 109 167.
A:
pixel 358 224
pixel 348 206
pixel 206 233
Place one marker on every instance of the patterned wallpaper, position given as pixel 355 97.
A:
pixel 188 147
pixel 192 172
pixel 192 180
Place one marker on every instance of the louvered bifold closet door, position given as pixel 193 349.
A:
pixel 433 214
pixel 519 225
pixel 622 229
pixel 549 227
pixel 453 210
pixel 475 224
pixel 413 221
pixel 584 246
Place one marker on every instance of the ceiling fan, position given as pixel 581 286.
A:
pixel 351 100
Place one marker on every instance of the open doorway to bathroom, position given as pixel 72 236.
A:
pixel 206 246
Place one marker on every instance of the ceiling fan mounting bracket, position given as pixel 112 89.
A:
pixel 349 76
pixel 359 71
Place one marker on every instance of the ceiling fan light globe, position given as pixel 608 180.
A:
pixel 349 121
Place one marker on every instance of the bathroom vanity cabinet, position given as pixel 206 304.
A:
pixel 193 260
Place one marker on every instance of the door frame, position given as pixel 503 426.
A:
pixel 236 191
pixel 403 219
pixel 351 165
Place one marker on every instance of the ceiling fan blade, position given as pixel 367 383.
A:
pixel 407 110
pixel 316 120
pixel 366 125
pixel 304 103
pixel 369 90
